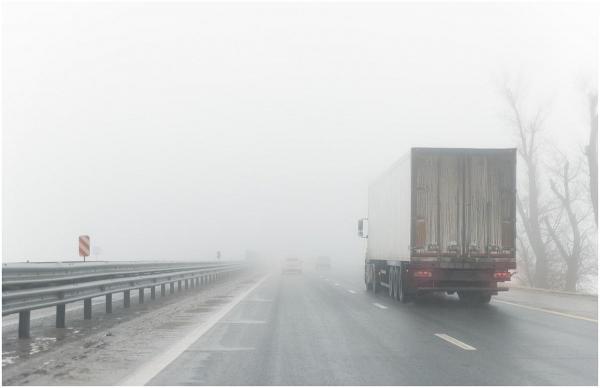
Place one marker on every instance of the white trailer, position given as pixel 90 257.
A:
pixel 443 219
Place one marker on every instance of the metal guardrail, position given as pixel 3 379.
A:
pixel 32 286
pixel 31 275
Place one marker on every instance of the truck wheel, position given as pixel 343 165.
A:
pixel 403 296
pixel 471 298
pixel 468 297
pixel 485 298
pixel 375 281
pixel 391 281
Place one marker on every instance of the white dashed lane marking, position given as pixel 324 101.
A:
pixel 455 342
pixel 380 306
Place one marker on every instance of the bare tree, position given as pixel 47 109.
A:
pixel 528 206
pixel 570 245
pixel 527 261
pixel 592 151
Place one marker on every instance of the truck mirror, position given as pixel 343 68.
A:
pixel 361 228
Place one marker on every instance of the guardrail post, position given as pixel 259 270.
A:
pixel 179 285
pixel 197 282
pixel 187 284
pixel 163 289
pixel 60 316
pixel 24 320
pixel 87 308
pixel 126 299
pixel 172 288
pixel 153 292
pixel 141 295
pixel 108 303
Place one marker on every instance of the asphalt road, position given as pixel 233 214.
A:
pixel 325 329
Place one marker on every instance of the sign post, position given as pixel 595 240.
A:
pixel 84 246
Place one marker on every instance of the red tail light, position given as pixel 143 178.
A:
pixel 422 274
pixel 502 275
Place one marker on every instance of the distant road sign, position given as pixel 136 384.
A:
pixel 84 246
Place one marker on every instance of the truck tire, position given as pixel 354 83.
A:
pixel 485 298
pixel 368 276
pixel 391 281
pixel 403 296
pixel 375 281
pixel 468 297
pixel 465 297
pixel 474 298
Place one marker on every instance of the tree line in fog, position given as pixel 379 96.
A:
pixel 557 196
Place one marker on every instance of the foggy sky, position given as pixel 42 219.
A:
pixel 172 130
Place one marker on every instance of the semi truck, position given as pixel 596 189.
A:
pixel 442 220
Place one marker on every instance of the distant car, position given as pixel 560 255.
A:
pixel 292 265
pixel 323 262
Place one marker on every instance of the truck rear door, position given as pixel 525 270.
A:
pixel 463 203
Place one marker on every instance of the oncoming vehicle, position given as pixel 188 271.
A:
pixel 292 265
pixel 323 262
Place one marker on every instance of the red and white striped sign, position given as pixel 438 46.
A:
pixel 84 246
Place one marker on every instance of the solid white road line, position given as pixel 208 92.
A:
pixel 352 291
pixel 454 341
pixel 547 311
pixel 380 306
pixel 149 370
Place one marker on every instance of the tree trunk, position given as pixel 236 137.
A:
pixel 592 154
pixel 572 259
pixel 572 274
pixel 535 231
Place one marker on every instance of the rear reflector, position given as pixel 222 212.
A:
pixel 422 274
pixel 502 275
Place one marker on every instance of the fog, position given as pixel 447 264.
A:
pixel 173 130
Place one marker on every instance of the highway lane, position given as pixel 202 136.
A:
pixel 324 329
